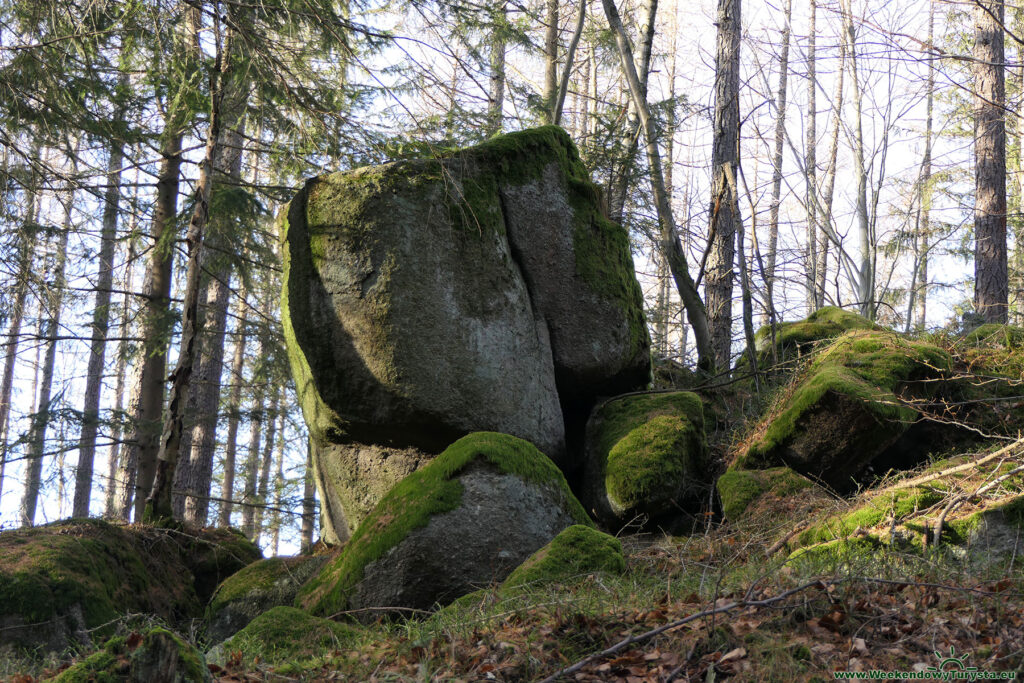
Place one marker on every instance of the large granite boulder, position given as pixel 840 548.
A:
pixel 467 519
pixel 426 299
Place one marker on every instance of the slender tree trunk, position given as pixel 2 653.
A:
pixel 266 462
pixel 991 288
pixel 724 211
pixel 26 255
pixel 252 462
pixel 159 503
pixel 828 191
pixel 917 301
pixel 865 274
pixel 780 135
pixel 496 94
pixel 100 325
pixel 670 246
pixel 308 503
pixel 811 153
pixel 550 58
pixel 275 528
pixel 234 405
pixel 48 329
pixel 118 450
pixel 570 56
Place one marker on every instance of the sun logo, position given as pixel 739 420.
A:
pixel 952 662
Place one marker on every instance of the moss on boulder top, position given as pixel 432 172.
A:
pixel 157 655
pixel 646 454
pixel 576 550
pixel 287 635
pixel 430 544
pixel 481 289
pixel 61 580
pixel 739 489
pixel 848 408
pixel 794 339
pixel 255 589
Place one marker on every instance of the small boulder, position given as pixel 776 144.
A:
pixel 645 455
pixel 576 550
pixel 465 520
pixel 286 635
pixel 738 490
pixel 252 591
pixel 794 339
pixel 158 656
pixel 849 410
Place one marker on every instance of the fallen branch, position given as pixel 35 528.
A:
pixel 924 479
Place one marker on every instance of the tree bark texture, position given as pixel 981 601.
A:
pixel 780 136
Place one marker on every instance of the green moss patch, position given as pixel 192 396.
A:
pixel 738 489
pixel 158 654
pixel 286 635
pixel 429 491
pixel 48 572
pixel 576 550
pixel 881 508
pixel 793 339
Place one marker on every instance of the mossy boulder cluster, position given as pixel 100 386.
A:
pixel 66 583
pixel 479 290
pixel 157 656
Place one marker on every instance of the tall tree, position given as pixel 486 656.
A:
pixel 811 156
pixel 724 209
pixel 780 136
pixel 233 408
pixel 991 286
pixel 917 303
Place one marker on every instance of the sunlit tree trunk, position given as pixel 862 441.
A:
pixel 990 268
pixel 308 503
pixel 496 94
pixel 265 465
pixel 780 137
pixel 234 405
pixel 917 301
pixel 811 156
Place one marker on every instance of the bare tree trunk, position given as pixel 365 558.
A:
pixel 234 404
pixel 252 462
pixel 308 503
pixel 865 273
pixel 917 300
pixel 158 504
pixel 780 136
pixel 275 521
pixel 670 246
pixel 724 211
pixel 496 94
pixel 266 462
pixel 48 332
pixel 26 255
pixel 991 287
pixel 100 325
pixel 570 56
pixel 811 153
pixel 825 224
pixel 550 58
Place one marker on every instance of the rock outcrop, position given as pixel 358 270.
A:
pixel 483 290
pixel 646 455
pixel 465 520
pixel 61 582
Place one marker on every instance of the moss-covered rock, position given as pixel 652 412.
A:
pixel 287 635
pixel 796 338
pixel 990 370
pixel 158 656
pixel 60 581
pixel 739 489
pixel 646 454
pixel 255 589
pixel 424 299
pixel 468 518
pixel 847 410
pixel 576 550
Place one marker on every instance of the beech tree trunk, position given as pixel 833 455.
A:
pixel 991 286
